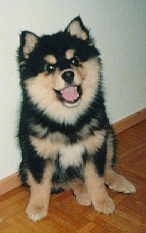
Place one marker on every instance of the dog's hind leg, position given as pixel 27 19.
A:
pixel 118 182
pixel 113 180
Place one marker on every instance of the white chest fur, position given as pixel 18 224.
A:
pixel 71 155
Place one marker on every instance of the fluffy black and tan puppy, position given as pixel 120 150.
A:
pixel 65 135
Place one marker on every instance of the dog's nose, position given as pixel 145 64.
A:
pixel 68 76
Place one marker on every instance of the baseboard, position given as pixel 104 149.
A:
pixel 13 180
pixel 9 183
pixel 130 121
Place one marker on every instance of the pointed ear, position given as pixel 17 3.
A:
pixel 28 42
pixel 77 28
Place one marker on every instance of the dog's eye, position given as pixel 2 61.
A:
pixel 49 68
pixel 75 61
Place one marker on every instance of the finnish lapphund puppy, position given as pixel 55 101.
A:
pixel 64 133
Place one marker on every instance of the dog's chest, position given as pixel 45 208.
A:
pixel 71 155
pixel 57 144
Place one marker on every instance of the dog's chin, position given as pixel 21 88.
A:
pixel 70 96
pixel 71 105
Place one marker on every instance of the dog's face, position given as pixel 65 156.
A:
pixel 60 72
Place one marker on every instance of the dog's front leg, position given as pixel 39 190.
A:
pixel 39 195
pixel 96 189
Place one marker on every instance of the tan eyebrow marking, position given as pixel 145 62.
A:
pixel 69 54
pixel 50 59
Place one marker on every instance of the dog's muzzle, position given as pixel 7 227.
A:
pixel 71 93
pixel 68 76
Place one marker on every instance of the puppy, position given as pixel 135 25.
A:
pixel 64 133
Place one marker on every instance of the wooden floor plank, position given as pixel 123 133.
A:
pixel 67 216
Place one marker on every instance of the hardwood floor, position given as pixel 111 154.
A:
pixel 67 216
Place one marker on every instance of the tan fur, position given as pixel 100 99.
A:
pixel 97 192
pixel 94 142
pixel 118 182
pixel 69 54
pixel 90 74
pixel 51 59
pixel 39 195
pixel 30 43
pixel 80 192
pixel 71 155
pixel 75 30
pixel 41 91
pixel 49 146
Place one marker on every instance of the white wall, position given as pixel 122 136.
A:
pixel 119 28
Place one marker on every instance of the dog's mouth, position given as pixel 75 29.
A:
pixel 69 95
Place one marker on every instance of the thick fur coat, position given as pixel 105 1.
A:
pixel 65 135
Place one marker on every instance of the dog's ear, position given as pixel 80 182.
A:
pixel 28 42
pixel 77 28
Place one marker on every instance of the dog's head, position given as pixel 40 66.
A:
pixel 61 72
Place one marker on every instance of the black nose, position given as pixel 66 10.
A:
pixel 68 76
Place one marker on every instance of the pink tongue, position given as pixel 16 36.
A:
pixel 70 94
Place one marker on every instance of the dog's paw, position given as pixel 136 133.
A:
pixel 36 212
pixel 106 206
pixel 121 184
pixel 83 199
